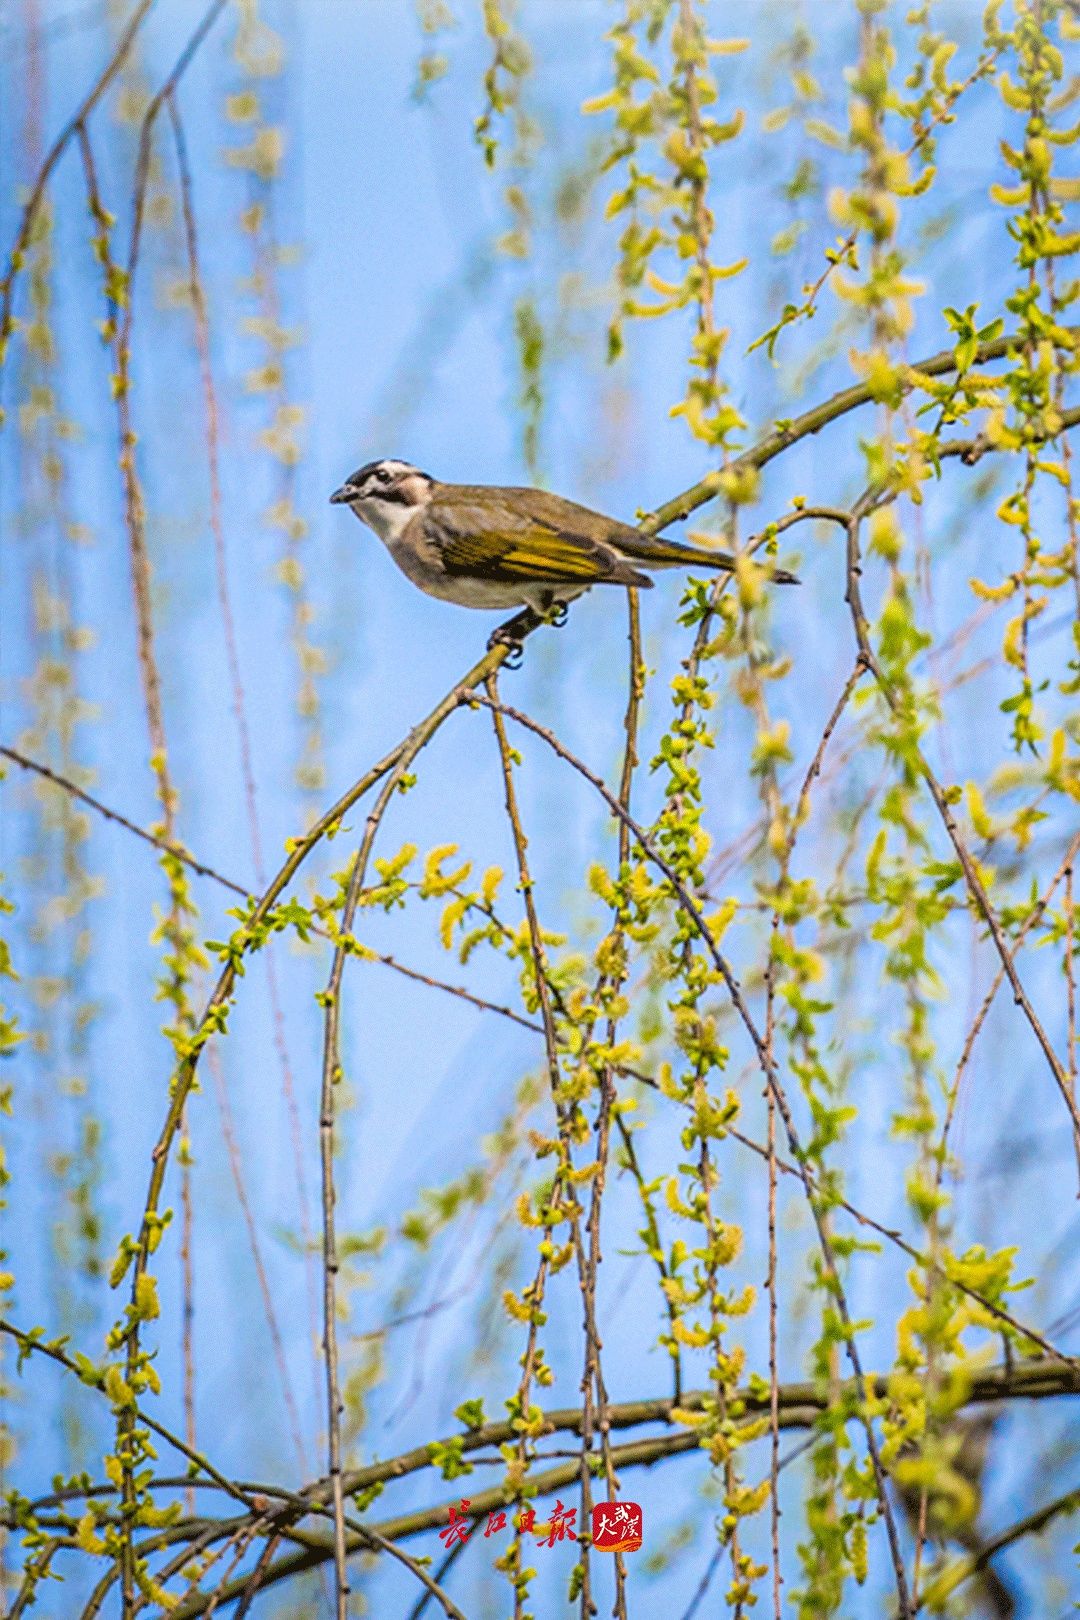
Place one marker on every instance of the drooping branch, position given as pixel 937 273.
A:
pixel 941 1588
pixel 331 1075
pixel 70 130
pixel 975 884
pixel 768 1066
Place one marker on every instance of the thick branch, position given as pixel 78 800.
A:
pixel 799 1406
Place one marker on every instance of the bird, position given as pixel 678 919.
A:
pixel 496 547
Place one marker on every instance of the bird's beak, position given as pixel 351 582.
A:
pixel 343 496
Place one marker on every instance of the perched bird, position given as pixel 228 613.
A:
pixel 485 546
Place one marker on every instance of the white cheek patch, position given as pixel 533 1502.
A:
pixel 395 520
pixel 387 519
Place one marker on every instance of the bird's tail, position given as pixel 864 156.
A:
pixel 675 554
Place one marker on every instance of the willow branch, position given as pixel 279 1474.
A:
pixel 974 882
pixel 812 421
pixel 926 1261
pixel 164 844
pixel 56 152
pixel 800 1404
pixel 29 1345
pixel 331 1074
pixel 768 1067
pixel 942 1587
pixel 564 1117
pixel 202 870
pixel 1032 920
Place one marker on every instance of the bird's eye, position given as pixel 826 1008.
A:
pixel 382 476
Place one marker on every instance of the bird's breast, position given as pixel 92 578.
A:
pixel 421 560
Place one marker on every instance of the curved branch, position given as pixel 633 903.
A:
pixel 216 1007
pixel 811 422
pixel 798 1406
pixel 202 870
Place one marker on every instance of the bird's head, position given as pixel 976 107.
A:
pixel 384 493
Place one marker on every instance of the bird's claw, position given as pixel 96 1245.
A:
pixel 512 634
pixel 505 636
pixel 559 615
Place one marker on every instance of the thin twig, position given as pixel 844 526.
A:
pixel 29 1345
pixel 166 846
pixel 1070 979
pixel 236 1167
pixel 331 1075
pixel 635 693
pixel 937 793
pixel 812 421
pixel 722 966
pixel 201 316
pixel 1031 921
pixel 926 1261
pixel 56 152
pixel 942 1587
pixel 440 1575
pixel 200 867
pixel 536 1291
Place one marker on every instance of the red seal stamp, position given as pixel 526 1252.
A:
pixel 616 1527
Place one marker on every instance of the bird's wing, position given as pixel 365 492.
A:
pixel 657 551
pixel 650 550
pixel 654 551
pixel 481 533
